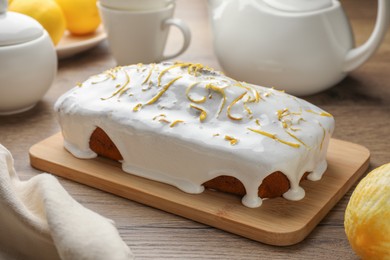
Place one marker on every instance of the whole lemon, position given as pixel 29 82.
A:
pixel 367 217
pixel 47 12
pixel 82 16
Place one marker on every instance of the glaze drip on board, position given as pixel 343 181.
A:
pixel 184 124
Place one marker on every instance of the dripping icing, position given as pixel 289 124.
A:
pixel 191 106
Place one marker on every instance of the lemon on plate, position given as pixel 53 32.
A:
pixel 367 217
pixel 82 16
pixel 47 12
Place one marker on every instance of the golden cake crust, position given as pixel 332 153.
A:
pixel 272 186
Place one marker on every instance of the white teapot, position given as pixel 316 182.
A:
pixel 301 46
pixel 28 61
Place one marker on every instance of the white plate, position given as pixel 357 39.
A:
pixel 71 44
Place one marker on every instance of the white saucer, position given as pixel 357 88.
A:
pixel 70 44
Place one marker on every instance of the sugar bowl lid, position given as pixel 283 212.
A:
pixel 17 28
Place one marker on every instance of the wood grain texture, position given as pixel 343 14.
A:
pixel 277 222
pixel 360 104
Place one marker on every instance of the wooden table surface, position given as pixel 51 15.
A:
pixel 360 104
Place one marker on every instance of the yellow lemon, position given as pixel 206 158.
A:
pixel 367 217
pixel 82 16
pixel 47 12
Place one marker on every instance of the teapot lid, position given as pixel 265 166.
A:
pixel 17 28
pixel 299 5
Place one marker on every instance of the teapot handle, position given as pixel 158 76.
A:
pixel 361 54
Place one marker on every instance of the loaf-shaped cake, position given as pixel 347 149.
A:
pixel 189 126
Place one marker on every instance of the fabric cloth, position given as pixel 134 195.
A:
pixel 40 220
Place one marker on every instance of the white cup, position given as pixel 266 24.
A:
pixel 136 5
pixel 140 36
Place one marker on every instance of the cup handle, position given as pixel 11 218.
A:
pixel 185 30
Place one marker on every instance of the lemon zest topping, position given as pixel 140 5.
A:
pixel 294 129
pixel 202 100
pixel 203 113
pixel 239 84
pixel 163 120
pixel 111 75
pixel 176 122
pixel 256 95
pixel 282 113
pixel 232 104
pixel 232 140
pixel 273 136
pixel 325 114
pixel 222 92
pixel 214 88
pixel 169 68
pixel 286 118
pixel 323 136
pixel 137 107
pixel 160 115
pixel 193 68
pixel 121 89
pixel 296 138
pixel 262 133
pixel 248 109
pixel 321 114
pixel 78 84
pixel 159 94
pixel 149 74
pixel 111 72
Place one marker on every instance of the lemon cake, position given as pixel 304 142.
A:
pixel 189 126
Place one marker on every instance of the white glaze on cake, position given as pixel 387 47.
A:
pixel 183 124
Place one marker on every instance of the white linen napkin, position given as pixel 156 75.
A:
pixel 40 220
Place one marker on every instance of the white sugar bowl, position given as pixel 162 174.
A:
pixel 28 61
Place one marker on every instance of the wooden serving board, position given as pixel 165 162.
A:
pixel 277 222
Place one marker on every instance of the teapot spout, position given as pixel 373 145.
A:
pixel 361 54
